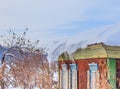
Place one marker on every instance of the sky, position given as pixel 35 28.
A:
pixel 65 20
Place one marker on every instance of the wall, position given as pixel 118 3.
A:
pixel 83 67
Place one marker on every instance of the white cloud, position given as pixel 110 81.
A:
pixel 41 13
pixel 51 13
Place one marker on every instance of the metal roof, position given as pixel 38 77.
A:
pixel 99 50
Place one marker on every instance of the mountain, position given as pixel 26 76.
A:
pixel 108 34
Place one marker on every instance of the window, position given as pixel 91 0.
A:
pixel 93 76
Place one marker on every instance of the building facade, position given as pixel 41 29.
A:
pixel 94 67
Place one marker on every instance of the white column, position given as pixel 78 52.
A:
pixel 73 75
pixel 65 82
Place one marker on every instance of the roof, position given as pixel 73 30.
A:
pixel 99 50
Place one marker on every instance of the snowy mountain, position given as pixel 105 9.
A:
pixel 108 34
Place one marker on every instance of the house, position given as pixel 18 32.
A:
pixel 95 67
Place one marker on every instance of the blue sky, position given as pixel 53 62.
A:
pixel 59 19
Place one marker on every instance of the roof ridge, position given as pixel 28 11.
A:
pixel 105 50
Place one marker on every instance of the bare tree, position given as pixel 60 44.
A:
pixel 21 61
pixel 24 65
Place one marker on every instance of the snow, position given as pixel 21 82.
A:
pixel 10 87
pixel 55 76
